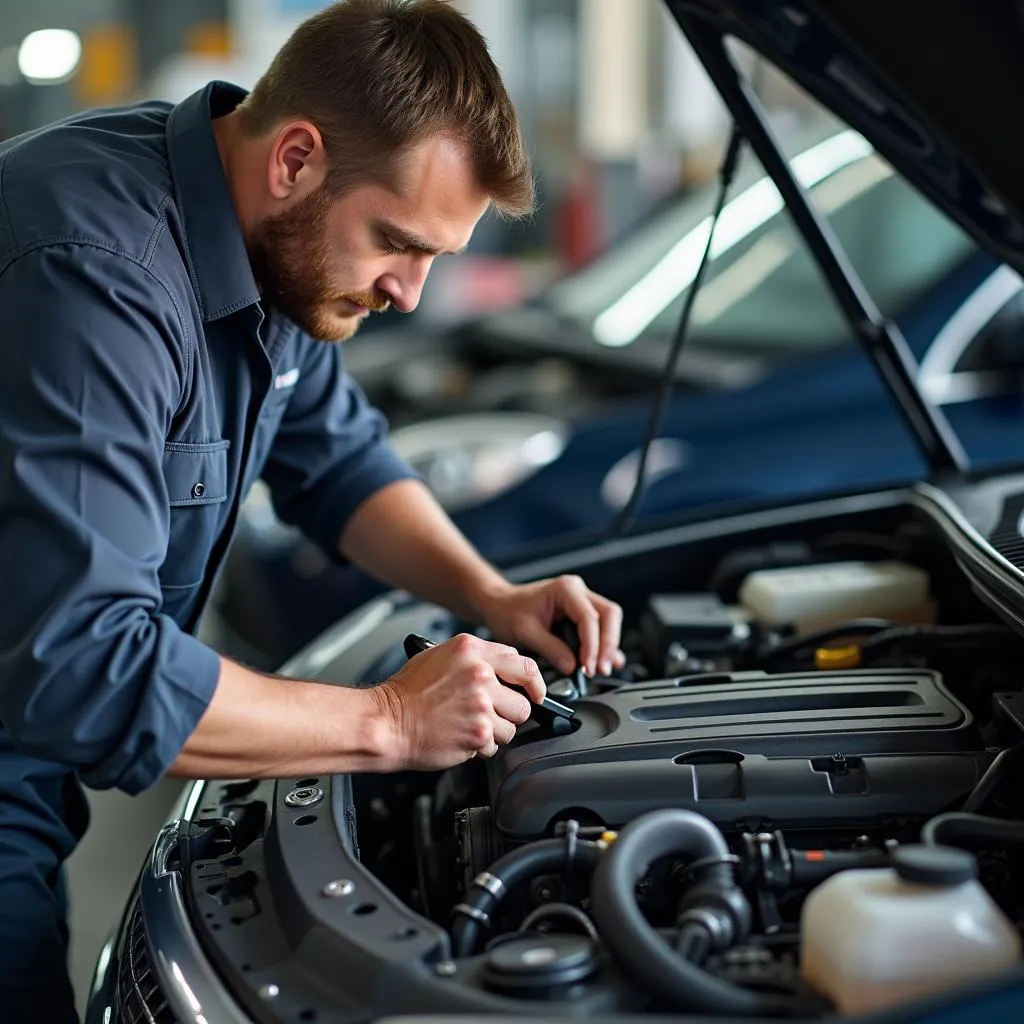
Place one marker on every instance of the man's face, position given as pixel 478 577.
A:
pixel 328 263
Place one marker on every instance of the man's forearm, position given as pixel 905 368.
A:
pixel 259 726
pixel 402 536
pixel 263 726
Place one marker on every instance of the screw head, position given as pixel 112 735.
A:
pixel 269 991
pixel 446 968
pixel 308 796
pixel 339 887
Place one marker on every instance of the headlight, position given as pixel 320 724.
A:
pixel 467 459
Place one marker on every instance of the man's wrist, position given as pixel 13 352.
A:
pixel 366 722
pixel 483 591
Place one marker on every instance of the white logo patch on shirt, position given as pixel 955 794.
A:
pixel 287 379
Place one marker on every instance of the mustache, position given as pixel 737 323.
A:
pixel 375 302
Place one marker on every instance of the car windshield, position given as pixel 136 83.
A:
pixel 763 289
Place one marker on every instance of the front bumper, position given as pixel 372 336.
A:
pixel 152 970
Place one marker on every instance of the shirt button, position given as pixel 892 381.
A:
pixel 199 490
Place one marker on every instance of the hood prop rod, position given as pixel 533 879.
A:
pixel 881 338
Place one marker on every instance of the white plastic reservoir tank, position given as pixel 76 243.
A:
pixel 871 939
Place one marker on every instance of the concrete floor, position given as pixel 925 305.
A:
pixel 104 867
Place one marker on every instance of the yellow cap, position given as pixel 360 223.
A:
pixel 608 837
pixel 837 657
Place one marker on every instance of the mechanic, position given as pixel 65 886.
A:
pixel 173 281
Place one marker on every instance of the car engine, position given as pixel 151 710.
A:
pixel 776 754
pixel 802 754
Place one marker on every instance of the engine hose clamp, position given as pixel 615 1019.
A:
pixel 715 925
pixel 565 910
pixel 711 862
pixel 490 883
pixel 473 914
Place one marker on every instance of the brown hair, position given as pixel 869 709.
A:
pixel 379 76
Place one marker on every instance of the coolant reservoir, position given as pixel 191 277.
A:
pixel 815 596
pixel 871 939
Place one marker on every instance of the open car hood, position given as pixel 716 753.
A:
pixel 926 83
pixel 930 83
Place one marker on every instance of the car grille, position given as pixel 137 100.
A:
pixel 140 999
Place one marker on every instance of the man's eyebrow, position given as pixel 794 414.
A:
pixel 407 240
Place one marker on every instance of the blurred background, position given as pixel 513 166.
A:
pixel 522 385
pixel 617 113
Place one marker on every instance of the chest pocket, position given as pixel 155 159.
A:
pixel 196 476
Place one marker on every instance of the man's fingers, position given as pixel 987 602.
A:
pixel 512 667
pixel 504 732
pixel 577 604
pixel 611 633
pixel 489 751
pixel 512 707
pixel 532 635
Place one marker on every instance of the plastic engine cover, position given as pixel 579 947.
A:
pixel 819 748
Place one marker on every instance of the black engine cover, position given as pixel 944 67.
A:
pixel 745 749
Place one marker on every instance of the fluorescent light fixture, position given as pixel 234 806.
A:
pixel 625 320
pixel 50 55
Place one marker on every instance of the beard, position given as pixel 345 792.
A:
pixel 291 261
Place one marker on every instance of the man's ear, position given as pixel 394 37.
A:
pixel 298 161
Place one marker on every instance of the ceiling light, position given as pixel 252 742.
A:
pixel 49 56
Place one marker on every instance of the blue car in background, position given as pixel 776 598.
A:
pixel 527 423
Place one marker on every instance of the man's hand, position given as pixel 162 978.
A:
pixel 524 615
pixel 447 705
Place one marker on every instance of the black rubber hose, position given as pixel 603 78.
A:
pixel 769 656
pixel 546 857
pixel 693 943
pixel 638 949
pixel 953 828
pixel 924 639
pixel 1006 761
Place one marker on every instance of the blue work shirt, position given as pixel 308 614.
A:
pixel 143 390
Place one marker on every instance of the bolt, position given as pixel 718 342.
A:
pixel 339 887
pixel 269 991
pixel 446 968
pixel 306 797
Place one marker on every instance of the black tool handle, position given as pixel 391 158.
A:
pixel 548 713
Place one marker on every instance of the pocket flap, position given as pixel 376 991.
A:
pixel 196 474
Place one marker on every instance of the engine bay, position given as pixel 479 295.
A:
pixel 840 707
pixel 809 751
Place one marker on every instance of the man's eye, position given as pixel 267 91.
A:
pixel 392 248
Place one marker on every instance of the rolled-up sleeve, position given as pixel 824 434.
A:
pixel 331 451
pixel 92 675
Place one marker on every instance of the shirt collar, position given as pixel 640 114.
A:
pixel 218 261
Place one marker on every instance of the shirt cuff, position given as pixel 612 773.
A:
pixel 342 493
pixel 186 676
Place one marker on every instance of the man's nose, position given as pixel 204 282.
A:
pixel 404 286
